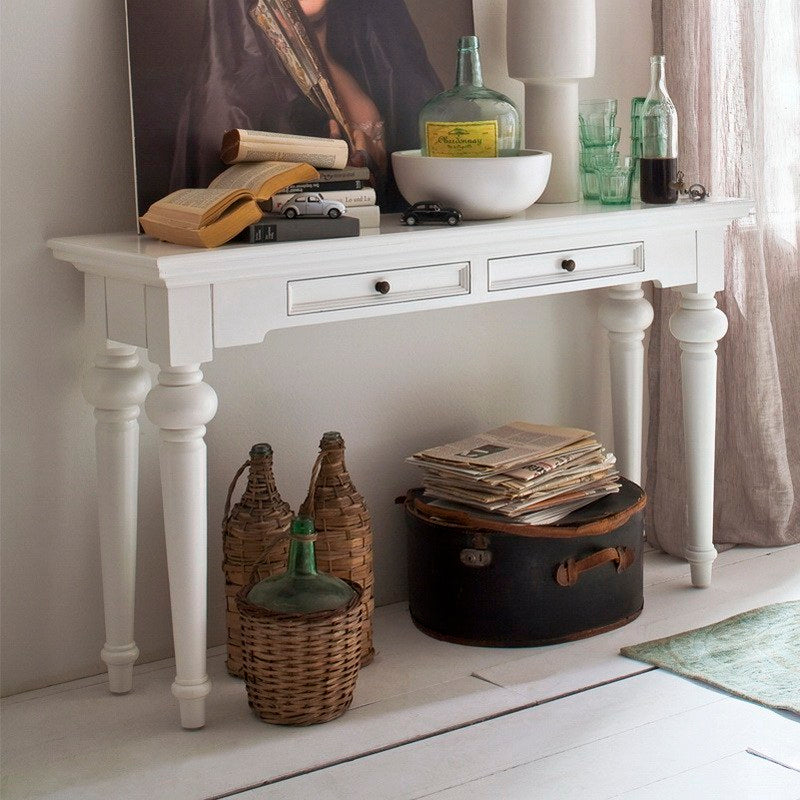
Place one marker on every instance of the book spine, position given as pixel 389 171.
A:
pixel 345 174
pixel 281 230
pixel 324 186
pixel 351 197
pixel 368 216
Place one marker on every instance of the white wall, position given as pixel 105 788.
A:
pixel 391 385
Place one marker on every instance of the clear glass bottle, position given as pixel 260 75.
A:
pixel 659 131
pixel 301 589
pixel 469 120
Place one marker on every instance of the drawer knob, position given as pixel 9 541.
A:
pixel 568 264
pixel 382 287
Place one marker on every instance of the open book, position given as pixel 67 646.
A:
pixel 212 216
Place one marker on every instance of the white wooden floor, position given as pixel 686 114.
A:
pixel 436 720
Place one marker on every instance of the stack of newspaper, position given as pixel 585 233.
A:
pixel 532 474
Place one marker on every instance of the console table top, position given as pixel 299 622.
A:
pixel 137 257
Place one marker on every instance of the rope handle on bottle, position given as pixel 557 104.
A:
pixel 307 506
pixel 230 491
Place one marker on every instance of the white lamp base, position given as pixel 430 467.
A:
pixel 551 123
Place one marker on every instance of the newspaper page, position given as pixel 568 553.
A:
pixel 499 449
pixel 545 516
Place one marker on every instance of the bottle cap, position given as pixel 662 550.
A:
pixel 468 43
pixel 331 439
pixel 261 449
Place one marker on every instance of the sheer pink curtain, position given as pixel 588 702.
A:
pixel 733 73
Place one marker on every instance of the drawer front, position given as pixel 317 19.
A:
pixel 516 272
pixel 366 289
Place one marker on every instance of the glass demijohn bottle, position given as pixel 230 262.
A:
pixel 469 120
pixel 301 589
pixel 659 130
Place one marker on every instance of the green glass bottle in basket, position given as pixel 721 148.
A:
pixel 302 588
pixel 301 635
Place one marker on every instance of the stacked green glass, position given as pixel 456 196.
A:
pixel 637 104
pixel 599 137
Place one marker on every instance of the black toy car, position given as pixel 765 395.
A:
pixel 430 211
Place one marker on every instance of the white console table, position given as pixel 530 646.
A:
pixel 181 303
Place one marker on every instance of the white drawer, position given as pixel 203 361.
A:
pixel 516 272
pixel 366 289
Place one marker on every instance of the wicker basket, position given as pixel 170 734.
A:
pixel 300 669
pixel 254 534
pixel 344 530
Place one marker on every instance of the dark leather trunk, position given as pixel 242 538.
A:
pixel 501 585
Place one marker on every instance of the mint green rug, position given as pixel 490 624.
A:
pixel 755 655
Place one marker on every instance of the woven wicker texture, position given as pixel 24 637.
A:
pixel 254 533
pixel 344 531
pixel 300 669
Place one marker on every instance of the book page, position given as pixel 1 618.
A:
pixel 240 145
pixel 266 135
pixel 250 177
pixel 186 207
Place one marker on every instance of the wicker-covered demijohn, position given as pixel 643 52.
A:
pixel 300 669
pixel 254 535
pixel 344 530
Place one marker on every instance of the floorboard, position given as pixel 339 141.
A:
pixel 589 746
pixel 78 741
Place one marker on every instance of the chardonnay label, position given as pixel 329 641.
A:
pixel 462 139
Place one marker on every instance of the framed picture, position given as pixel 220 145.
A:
pixel 355 69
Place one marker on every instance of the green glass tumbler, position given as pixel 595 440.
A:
pixel 614 182
pixel 601 113
pixel 637 103
pixel 589 188
pixel 592 158
pixel 599 135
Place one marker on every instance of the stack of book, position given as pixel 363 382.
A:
pixel 349 186
pixel 267 170
pixel 334 180
pixel 532 474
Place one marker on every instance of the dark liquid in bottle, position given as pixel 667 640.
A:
pixel 658 177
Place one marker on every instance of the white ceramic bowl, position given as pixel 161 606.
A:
pixel 480 188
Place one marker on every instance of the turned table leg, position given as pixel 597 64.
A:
pixel 116 385
pixel 181 405
pixel 626 314
pixel 698 325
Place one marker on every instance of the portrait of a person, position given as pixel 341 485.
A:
pixel 352 69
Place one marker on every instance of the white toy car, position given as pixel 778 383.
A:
pixel 312 205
